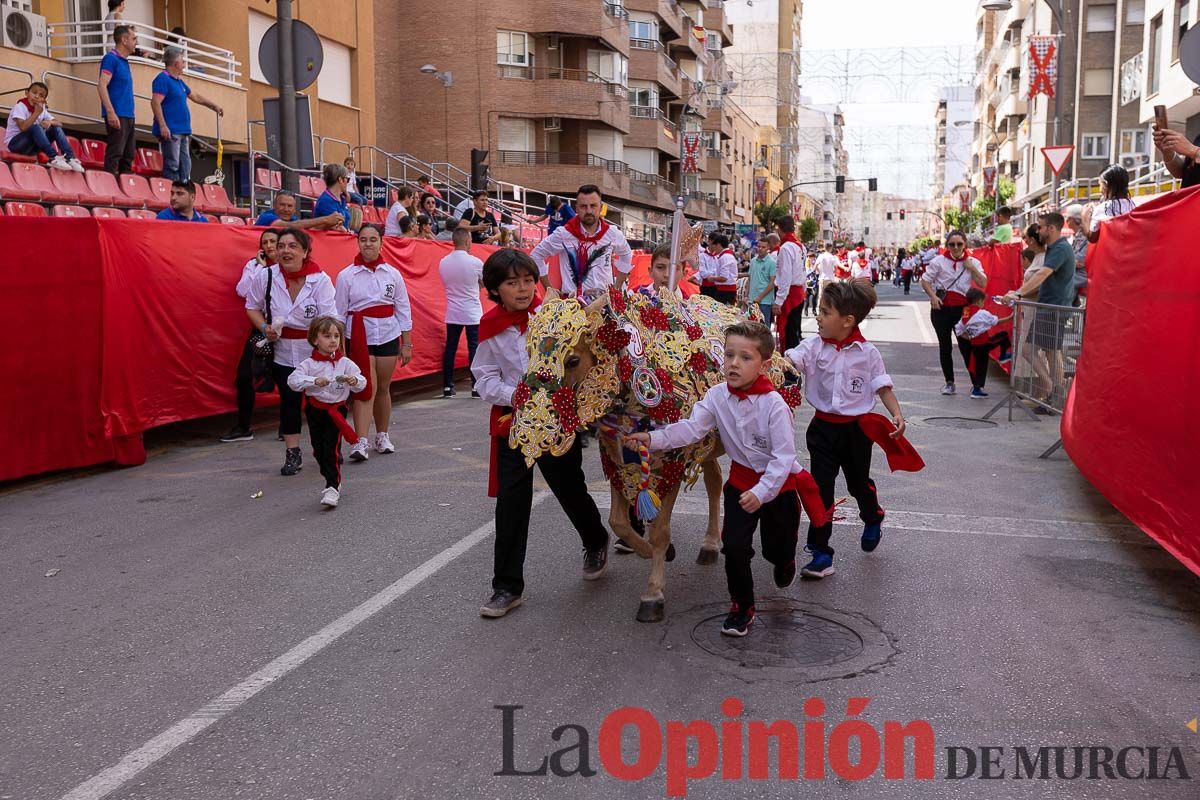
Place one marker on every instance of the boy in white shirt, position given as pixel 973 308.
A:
pixel 327 378
pixel 31 130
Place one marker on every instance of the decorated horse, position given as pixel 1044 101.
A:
pixel 627 362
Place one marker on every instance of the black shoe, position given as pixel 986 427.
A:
pixel 594 563
pixel 291 463
pixel 785 574
pixel 620 547
pixel 474 393
pixel 738 622
pixel 447 391
pixel 237 434
pixel 501 603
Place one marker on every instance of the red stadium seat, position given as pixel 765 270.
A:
pixel 147 162
pixel 69 211
pixel 76 146
pixel 74 183
pixel 228 220
pixel 35 178
pixel 310 187
pixel 378 215
pixel 20 158
pixel 268 178
pixel 9 190
pixel 101 212
pixel 136 188
pixel 91 153
pixel 142 213
pixel 213 218
pixel 105 183
pixel 161 189
pixel 19 209
pixel 218 198
pixel 276 179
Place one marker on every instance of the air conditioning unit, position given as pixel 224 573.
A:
pixel 552 123
pixel 1134 161
pixel 552 41
pixel 23 30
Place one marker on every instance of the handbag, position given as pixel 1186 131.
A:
pixel 263 351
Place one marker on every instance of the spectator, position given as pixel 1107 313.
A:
pixel 115 88
pixel 408 227
pixel 333 199
pixel 462 276
pixel 446 234
pixel 282 214
pixel 1079 243
pixel 1004 231
pixel 424 227
pixel 399 210
pixel 352 184
pixel 116 13
pixel 1033 243
pixel 1114 185
pixel 761 290
pixel 244 380
pixel 480 221
pixel 1182 157
pixel 183 204
pixel 427 186
pixel 946 282
pixel 31 129
pixel 428 206
pixel 558 212
pixel 172 117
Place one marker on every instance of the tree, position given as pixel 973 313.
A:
pixel 809 229
pixel 767 214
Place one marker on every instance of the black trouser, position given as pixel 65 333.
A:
pixel 453 332
pixel 244 385
pixel 326 443
pixel 119 148
pixel 810 300
pixel 514 501
pixel 792 332
pixel 290 402
pixel 841 445
pixel 728 298
pixel 981 353
pixel 944 319
pixel 780 520
pixel 906 279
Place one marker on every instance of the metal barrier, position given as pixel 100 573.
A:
pixel 1047 341
pixel 89 40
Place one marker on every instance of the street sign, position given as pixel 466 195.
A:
pixel 307 57
pixel 1057 156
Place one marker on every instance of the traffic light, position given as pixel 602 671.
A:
pixel 902 215
pixel 479 169
pixel 840 184
pixel 890 216
pixel 873 184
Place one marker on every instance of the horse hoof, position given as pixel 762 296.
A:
pixel 651 611
pixel 670 556
pixel 707 557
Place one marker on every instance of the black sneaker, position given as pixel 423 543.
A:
pixel 474 393
pixel 594 563
pixel 447 391
pixel 785 574
pixel 291 463
pixel 237 434
pixel 501 603
pixel 620 547
pixel 738 622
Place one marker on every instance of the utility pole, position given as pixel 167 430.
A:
pixel 288 146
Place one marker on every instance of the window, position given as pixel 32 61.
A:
pixel 516 133
pixel 609 66
pixel 1133 141
pixel 1097 82
pixel 1135 12
pixel 512 49
pixel 1101 18
pixel 1183 13
pixel 712 42
pixel 1095 145
pixel 644 96
pixel 639 29
pixel 1155 55
pixel 258 28
pixel 334 82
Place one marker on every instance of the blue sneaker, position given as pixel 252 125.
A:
pixel 978 394
pixel 1005 356
pixel 820 566
pixel 870 537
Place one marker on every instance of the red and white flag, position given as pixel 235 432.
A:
pixel 691 152
pixel 989 181
pixel 1043 65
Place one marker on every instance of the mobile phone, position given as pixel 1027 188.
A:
pixel 1160 118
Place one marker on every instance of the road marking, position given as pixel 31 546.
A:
pixel 926 328
pixel 104 783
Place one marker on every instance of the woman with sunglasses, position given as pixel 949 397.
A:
pixel 946 281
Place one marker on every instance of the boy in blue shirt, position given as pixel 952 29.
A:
pixel 762 279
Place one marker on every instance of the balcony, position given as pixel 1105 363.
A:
pixel 649 128
pixel 667 10
pixel 703 206
pixel 717 120
pixel 648 61
pixel 715 21
pixel 1014 104
pixel 562 170
pixel 651 190
pixel 714 167
pixel 688 43
pixel 608 22
pixel 572 93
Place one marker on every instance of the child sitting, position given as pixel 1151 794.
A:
pixel 977 338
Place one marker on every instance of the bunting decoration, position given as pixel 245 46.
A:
pixel 760 189
pixel 964 200
pixel 1043 65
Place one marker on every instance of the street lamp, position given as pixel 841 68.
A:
pixel 447 79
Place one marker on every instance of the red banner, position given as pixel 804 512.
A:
pixel 1129 424
pixel 964 200
pixel 691 152
pixel 1043 65
pixel 989 181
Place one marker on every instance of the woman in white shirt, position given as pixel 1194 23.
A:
pixel 947 281
pixel 244 380
pixel 1114 184
pixel 403 207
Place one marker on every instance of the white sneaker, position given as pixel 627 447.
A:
pixel 330 497
pixel 949 389
pixel 358 452
pixel 383 444
pixel 76 165
pixel 58 162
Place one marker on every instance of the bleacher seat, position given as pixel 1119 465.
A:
pixel 142 213
pixel 21 158
pixel 9 190
pixel 311 187
pixel 22 209
pixel 136 188
pixel 35 178
pixel 271 178
pixel 378 215
pixel 216 196
pixel 226 219
pixel 147 162
pixel 69 211
pixel 100 212
pixel 74 183
pixel 91 153
pixel 105 183
pixel 213 218
pixel 161 189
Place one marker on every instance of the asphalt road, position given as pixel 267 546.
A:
pixel 197 642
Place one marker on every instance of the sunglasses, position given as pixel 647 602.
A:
pixel 955 245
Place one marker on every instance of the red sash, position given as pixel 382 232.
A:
pixel 294 333
pixel 358 340
pixel 793 301
pixel 744 479
pixel 720 287
pixel 499 425
pixel 344 427
pixel 901 455
pixel 954 300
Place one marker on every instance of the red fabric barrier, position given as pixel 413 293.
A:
pixel 1002 265
pixel 640 276
pixel 1128 425
pixel 133 325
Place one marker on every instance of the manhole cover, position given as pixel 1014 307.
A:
pixel 959 422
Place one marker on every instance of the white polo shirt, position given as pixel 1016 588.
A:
pixel 358 288
pixel 840 381
pixel 460 273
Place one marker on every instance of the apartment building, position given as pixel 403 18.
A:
pixel 955 123
pixel 819 156
pixel 1155 76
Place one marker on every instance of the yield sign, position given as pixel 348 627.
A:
pixel 1057 156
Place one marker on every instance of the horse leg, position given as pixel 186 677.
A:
pixel 653 605
pixel 618 520
pixel 712 534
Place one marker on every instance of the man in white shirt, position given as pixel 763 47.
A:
pixel 32 130
pixel 462 276
pixel 827 264
pixel 789 283
pixel 588 248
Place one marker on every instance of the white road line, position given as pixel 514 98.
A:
pixel 182 732
pixel 926 328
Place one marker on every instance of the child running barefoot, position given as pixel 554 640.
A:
pixel 843 373
pixel 756 429
pixel 326 379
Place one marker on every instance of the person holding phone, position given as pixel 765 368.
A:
pixel 480 221
pixel 1182 158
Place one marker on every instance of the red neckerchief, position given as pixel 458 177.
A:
pixel 359 261
pixel 775 249
pixel 27 104
pixel 317 355
pixel 310 267
pixel 726 250
pixel 789 237
pixel 497 320
pixel 855 336
pixel 762 385
pixel 586 243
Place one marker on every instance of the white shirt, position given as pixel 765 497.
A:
pixel 945 273
pixel 600 275
pixel 757 432
pixel 391 225
pixel 1101 212
pixel 981 322
pixel 308 370
pixel 460 272
pixel 840 381
pixel 20 113
pixel 315 299
pixel 499 365
pixel 352 184
pixel 789 270
pixel 358 288
pixel 721 269
pixel 249 272
pixel 827 264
